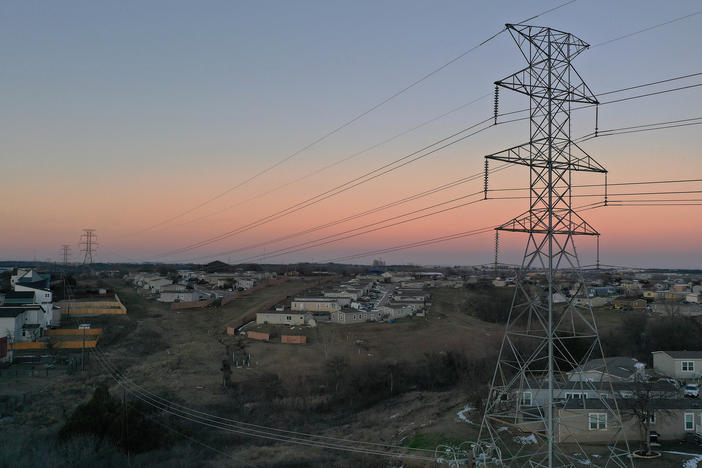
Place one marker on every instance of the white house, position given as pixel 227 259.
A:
pixel 188 295
pixel 315 304
pixel 681 365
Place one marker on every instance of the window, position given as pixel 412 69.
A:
pixel 289 317
pixel 570 395
pixel 597 421
pixel 526 399
pixel 688 366
pixel 652 417
pixel 689 421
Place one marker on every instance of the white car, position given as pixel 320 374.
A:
pixel 691 390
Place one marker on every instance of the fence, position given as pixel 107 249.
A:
pixel 68 344
pixel 293 339
pixel 192 304
pixel 258 336
pixel 90 308
pixel 73 331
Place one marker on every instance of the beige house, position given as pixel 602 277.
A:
pixel 588 421
pixel 314 304
pixel 681 365
pixel 280 318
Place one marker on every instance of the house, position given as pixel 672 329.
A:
pixel 590 421
pixel 396 311
pixel 185 295
pixel 282 318
pixel 42 295
pixel 28 275
pixel 536 392
pixel 628 303
pixel 21 323
pixel 680 365
pixel 315 304
pixel 245 283
pixel 611 369
pixel 695 298
pixel 347 316
pixel 156 284
pixel 410 295
pixel 601 291
pixel 343 297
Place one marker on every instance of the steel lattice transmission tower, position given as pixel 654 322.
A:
pixel 88 244
pixel 65 253
pixel 545 343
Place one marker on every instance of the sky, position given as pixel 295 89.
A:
pixel 126 117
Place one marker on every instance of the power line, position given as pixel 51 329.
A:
pixel 249 429
pixel 340 161
pixel 361 214
pixel 331 238
pixel 376 145
pixel 348 122
pixel 674 20
pixel 298 207
pixel 362 179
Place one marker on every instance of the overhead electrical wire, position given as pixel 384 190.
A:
pixel 398 135
pixel 340 161
pixel 371 175
pixel 437 240
pixel 348 122
pixel 674 20
pixel 364 178
pixel 382 207
pixel 249 429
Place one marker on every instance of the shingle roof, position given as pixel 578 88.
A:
pixel 620 366
pixel 626 403
pixel 19 297
pixel 684 354
pixel 42 284
pixel 11 311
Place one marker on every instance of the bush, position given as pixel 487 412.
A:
pixel 105 419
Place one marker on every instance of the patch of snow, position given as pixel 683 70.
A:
pixel 503 428
pixel 526 440
pixel 692 462
pixel 394 415
pixel 462 415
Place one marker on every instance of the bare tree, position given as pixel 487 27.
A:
pixel 643 405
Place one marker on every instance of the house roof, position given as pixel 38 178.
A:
pixel 619 366
pixel 627 403
pixel 11 311
pixel 19 297
pixel 40 284
pixel 683 354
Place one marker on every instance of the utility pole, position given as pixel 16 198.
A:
pixel 88 243
pixel 65 253
pixel 543 344
pixel 83 326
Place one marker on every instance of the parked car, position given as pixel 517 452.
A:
pixel 691 390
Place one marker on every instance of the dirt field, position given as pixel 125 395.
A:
pixel 177 354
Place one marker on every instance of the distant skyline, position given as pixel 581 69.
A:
pixel 120 116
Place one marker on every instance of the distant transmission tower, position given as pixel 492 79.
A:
pixel 65 253
pixel 546 341
pixel 88 245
